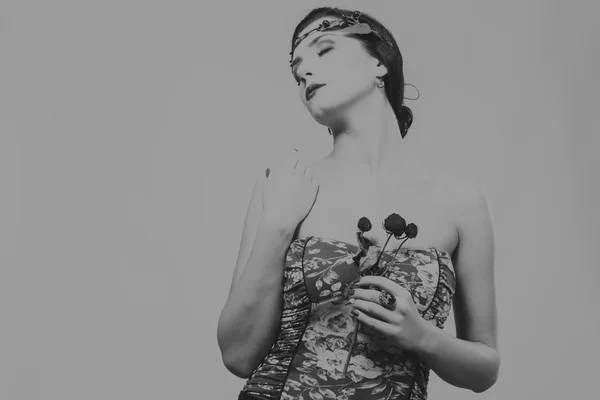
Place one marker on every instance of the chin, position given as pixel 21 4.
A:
pixel 330 116
pixel 323 110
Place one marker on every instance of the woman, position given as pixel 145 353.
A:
pixel 310 315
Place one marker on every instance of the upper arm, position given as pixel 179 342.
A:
pixel 251 223
pixel 475 298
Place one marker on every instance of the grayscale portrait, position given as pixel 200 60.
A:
pixel 299 200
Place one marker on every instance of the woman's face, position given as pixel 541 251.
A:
pixel 339 62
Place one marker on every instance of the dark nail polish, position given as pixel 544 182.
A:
pixel 351 292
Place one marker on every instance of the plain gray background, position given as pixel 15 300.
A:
pixel 131 133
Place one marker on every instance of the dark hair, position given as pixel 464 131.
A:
pixel 378 48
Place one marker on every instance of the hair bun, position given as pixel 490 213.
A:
pixel 405 119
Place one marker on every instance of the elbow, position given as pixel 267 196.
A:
pixel 236 368
pixel 485 383
pixel 232 361
pixel 482 388
pixel 239 363
pixel 232 358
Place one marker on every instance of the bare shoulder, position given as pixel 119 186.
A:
pixel 468 208
pixel 322 170
pixel 460 196
pixel 321 165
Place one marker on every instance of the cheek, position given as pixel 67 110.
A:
pixel 351 74
pixel 349 86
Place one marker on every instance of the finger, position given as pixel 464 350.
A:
pixel 370 298
pixel 375 310
pixel 382 283
pixel 298 162
pixel 371 295
pixel 290 163
pixel 294 160
pixel 376 324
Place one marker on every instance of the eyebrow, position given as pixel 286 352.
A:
pixel 298 60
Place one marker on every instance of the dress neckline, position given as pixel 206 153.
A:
pixel 355 246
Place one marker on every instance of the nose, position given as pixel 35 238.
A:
pixel 303 71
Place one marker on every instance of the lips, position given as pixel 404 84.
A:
pixel 311 89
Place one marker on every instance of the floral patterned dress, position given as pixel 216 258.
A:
pixel 318 337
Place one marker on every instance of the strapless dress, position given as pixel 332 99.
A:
pixel 318 337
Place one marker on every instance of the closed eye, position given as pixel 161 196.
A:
pixel 324 51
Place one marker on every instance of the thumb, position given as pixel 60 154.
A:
pixel 291 162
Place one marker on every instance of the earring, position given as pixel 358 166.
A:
pixel 380 83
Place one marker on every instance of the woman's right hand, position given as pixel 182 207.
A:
pixel 289 193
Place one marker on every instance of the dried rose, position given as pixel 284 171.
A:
pixel 394 224
pixel 364 224
pixel 411 231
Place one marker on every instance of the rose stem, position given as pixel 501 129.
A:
pixel 354 336
pixel 397 250
pixel 382 250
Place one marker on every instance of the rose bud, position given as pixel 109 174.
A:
pixel 394 224
pixel 411 231
pixel 364 224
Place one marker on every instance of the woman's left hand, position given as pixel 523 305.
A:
pixel 402 324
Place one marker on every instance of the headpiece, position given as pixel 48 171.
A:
pixel 347 24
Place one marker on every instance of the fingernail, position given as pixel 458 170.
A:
pixel 352 300
pixel 355 313
pixel 351 292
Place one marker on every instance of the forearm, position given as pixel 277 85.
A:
pixel 250 318
pixel 469 365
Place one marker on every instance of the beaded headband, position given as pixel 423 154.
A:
pixel 348 24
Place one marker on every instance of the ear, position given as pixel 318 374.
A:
pixel 380 69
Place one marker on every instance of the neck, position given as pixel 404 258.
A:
pixel 368 144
